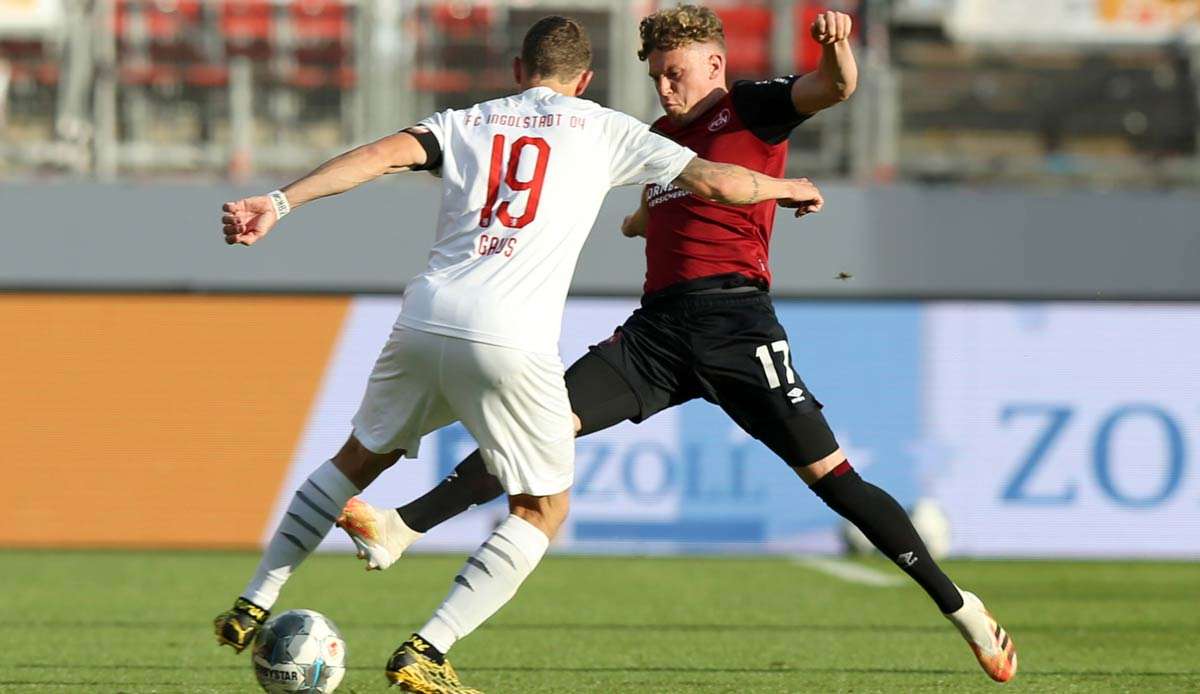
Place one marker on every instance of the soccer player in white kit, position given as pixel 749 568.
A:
pixel 476 339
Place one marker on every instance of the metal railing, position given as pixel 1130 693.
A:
pixel 231 88
pixel 225 87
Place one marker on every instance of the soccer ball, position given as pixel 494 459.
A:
pixel 927 517
pixel 299 651
pixel 854 543
pixel 932 525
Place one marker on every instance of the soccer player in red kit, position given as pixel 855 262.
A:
pixel 707 327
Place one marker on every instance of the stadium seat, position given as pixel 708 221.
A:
pixel 345 77
pixel 455 36
pixel 168 30
pixel 206 75
pixel 160 44
pixel 461 20
pixel 747 39
pixel 319 21
pixel 321 34
pixel 30 62
pixel 166 20
pixel 246 28
pixel 441 81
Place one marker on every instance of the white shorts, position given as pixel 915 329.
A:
pixel 513 402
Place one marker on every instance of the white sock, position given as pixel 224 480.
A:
pixel 314 508
pixel 974 623
pixel 489 579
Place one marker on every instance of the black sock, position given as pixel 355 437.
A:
pixel 470 484
pixel 888 527
pixel 422 646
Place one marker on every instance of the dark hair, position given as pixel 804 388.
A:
pixel 556 47
pixel 680 26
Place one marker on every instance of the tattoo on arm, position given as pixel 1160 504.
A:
pixel 731 172
pixel 754 195
pixel 720 181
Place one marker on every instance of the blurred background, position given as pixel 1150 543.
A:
pixel 1092 93
pixel 999 306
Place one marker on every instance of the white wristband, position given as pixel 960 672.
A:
pixel 280 202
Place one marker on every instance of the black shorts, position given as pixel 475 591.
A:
pixel 725 347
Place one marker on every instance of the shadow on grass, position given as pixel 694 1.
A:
pixel 861 627
pixel 801 669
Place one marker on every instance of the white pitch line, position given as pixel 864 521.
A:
pixel 850 572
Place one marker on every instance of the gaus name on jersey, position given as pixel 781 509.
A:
pixel 496 245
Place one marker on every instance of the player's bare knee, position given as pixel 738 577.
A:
pixel 813 472
pixel 360 464
pixel 546 513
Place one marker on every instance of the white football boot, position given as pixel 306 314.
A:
pixel 380 536
pixel 993 647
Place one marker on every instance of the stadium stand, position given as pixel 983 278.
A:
pixel 311 73
pixel 747 39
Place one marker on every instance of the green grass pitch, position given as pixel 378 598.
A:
pixel 140 622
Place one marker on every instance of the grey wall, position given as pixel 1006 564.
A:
pixel 896 241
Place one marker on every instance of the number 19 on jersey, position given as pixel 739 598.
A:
pixel 520 147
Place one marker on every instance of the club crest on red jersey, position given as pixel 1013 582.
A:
pixel 720 121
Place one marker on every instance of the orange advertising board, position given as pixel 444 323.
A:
pixel 150 421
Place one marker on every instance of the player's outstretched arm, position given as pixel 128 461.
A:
pixel 247 220
pixel 836 77
pixel 737 185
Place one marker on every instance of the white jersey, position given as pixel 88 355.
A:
pixel 523 179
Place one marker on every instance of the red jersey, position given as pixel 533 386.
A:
pixel 689 238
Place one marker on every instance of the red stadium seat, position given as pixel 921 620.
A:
pixel 322 32
pixel 308 77
pixel 747 39
pixel 30 61
pixel 149 75
pixel 462 19
pixel 246 26
pixel 159 41
pixel 174 29
pixel 345 78
pixel 206 75
pixel 441 81
pixel 163 20
pixel 323 21
pixel 495 80
pixel 168 19
pixel 46 74
pixel 341 78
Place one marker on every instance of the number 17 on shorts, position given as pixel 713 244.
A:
pixel 776 357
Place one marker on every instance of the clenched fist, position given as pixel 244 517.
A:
pixel 247 220
pixel 830 27
pixel 805 198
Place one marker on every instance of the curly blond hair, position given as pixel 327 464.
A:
pixel 680 26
